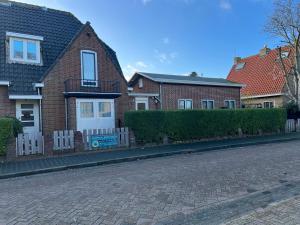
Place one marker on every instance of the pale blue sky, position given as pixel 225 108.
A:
pixel 175 36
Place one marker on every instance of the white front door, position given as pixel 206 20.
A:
pixel 141 103
pixel 28 113
pixel 95 114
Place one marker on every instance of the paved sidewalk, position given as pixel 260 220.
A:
pixel 23 168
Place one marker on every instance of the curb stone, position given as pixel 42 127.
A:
pixel 146 156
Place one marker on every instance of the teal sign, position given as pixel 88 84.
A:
pixel 103 141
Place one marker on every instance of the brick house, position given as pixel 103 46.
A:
pixel 166 92
pixel 263 76
pixel 56 73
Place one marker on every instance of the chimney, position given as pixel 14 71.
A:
pixel 264 51
pixel 236 60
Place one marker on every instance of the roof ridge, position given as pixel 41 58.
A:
pixel 181 75
pixel 22 4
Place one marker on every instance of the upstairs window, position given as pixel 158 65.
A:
pixel 89 68
pixel 24 50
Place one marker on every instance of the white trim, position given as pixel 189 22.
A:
pixel 24 59
pixel 262 96
pixel 38 85
pixel 191 82
pixel 4 83
pixel 25 97
pixel 96 68
pixel 185 100
pixel 98 93
pixel 207 100
pixel 26 36
pixel 143 94
pixel 144 100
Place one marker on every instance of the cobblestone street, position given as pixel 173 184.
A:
pixel 285 212
pixel 206 187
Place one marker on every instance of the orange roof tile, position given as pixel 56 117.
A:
pixel 262 75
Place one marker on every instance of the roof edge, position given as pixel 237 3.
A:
pixel 262 96
pixel 64 51
pixel 173 81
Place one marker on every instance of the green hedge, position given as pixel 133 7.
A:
pixel 182 125
pixel 9 127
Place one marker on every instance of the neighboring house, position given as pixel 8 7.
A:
pixel 55 72
pixel 263 77
pixel 162 91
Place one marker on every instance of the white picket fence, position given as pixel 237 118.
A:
pixel 29 144
pixel 63 140
pixel 292 126
pixel 122 135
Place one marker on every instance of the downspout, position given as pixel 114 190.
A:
pixel 160 96
pixel 40 111
pixel 66 113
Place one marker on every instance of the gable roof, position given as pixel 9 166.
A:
pixel 180 79
pixel 262 75
pixel 58 28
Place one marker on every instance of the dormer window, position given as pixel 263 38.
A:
pixel 284 55
pixel 24 48
pixel 240 66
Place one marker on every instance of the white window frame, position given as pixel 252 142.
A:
pixel 144 100
pixel 25 53
pixel 268 102
pixel 96 68
pixel 207 100
pixel 141 83
pixel 230 100
pixel 185 100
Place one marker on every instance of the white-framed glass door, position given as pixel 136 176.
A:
pixel 95 114
pixel 28 113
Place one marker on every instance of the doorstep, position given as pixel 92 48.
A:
pixel 88 159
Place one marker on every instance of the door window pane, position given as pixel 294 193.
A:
pixel 141 106
pixel 31 51
pixel 18 49
pixel 89 66
pixel 86 110
pixel 104 109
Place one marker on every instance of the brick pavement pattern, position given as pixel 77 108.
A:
pixel 285 212
pixel 147 191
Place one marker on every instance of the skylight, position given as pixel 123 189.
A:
pixel 240 66
pixel 284 55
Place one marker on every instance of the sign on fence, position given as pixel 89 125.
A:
pixel 105 138
pixel 63 140
pixel 103 141
pixel 29 144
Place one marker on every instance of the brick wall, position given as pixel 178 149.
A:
pixel 172 92
pixel 148 87
pixel 69 67
pixel 7 107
